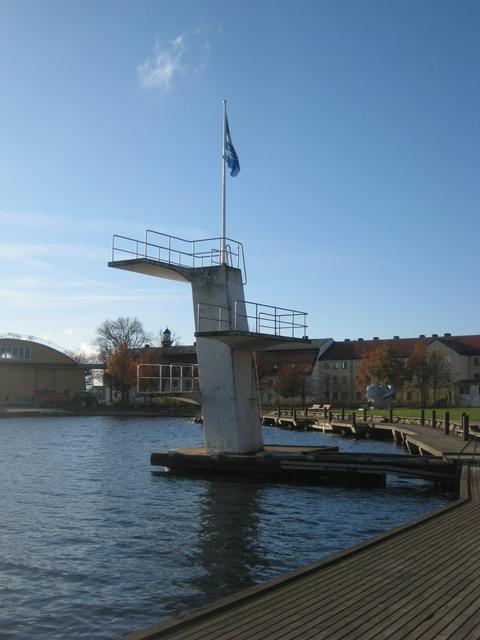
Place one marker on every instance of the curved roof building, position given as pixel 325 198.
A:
pixel 33 372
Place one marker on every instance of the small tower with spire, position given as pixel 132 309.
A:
pixel 166 339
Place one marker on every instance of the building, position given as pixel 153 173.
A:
pixel 329 368
pixel 461 354
pixel 33 372
pixel 304 358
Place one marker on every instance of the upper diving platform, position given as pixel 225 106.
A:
pixel 172 258
pixel 221 312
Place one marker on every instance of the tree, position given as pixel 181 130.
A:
pixel 440 375
pixel 125 331
pixel 429 371
pixel 381 366
pixel 91 375
pixel 289 382
pixel 419 369
pixel 121 367
pixel 150 372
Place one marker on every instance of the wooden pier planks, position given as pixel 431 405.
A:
pixel 418 581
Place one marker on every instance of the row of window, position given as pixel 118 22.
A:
pixel 336 365
pixel 15 353
pixel 467 390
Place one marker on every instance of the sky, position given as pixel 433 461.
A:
pixel 357 126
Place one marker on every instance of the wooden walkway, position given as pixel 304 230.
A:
pixel 420 581
pixel 425 438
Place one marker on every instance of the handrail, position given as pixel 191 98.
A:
pixel 268 317
pixel 264 319
pixel 186 382
pixel 220 321
pixel 181 252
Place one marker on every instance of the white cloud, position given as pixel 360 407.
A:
pixel 102 223
pixel 18 299
pixel 87 349
pixel 68 332
pixel 30 253
pixel 27 282
pixel 185 54
pixel 66 221
pixel 35 282
pixel 158 71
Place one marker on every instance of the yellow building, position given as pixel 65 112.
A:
pixel 35 373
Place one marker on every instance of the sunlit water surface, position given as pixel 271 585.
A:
pixel 94 545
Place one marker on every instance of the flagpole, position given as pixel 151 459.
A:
pixel 223 256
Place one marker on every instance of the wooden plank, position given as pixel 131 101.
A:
pixel 343 620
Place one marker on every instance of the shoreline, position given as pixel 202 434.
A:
pixel 114 412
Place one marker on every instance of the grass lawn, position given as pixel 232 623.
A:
pixel 455 413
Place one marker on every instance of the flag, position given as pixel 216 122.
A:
pixel 230 153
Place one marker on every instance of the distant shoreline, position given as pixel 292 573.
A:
pixel 115 412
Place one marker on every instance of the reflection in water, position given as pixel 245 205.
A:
pixel 229 551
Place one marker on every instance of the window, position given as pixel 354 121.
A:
pixel 335 365
pixel 476 362
pixel 344 365
pixel 11 352
pixel 476 377
pixel 409 396
pixel 344 395
pixel 335 395
pixel 326 365
pixel 465 389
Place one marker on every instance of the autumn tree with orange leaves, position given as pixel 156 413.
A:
pixel 121 369
pixel 381 366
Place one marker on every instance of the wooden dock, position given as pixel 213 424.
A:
pixel 420 581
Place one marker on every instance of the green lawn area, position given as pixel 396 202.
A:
pixel 455 413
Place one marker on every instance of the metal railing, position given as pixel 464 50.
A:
pixel 252 317
pixel 180 252
pixel 264 318
pixel 213 317
pixel 167 378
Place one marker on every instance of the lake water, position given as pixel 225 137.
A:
pixel 94 545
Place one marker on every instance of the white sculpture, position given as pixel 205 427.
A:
pixel 380 396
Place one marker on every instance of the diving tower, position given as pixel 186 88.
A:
pixel 228 328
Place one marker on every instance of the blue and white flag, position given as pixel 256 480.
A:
pixel 230 153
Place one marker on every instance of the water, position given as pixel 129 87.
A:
pixel 94 545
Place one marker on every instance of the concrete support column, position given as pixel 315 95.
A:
pixel 231 412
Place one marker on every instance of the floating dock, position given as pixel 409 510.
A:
pixel 316 465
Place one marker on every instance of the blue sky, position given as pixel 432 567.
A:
pixel 358 131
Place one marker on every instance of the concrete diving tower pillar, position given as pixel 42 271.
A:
pixel 225 338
